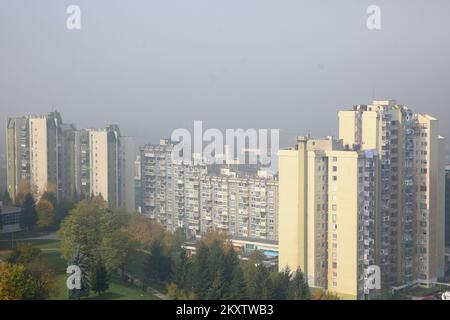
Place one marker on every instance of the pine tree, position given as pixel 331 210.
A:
pixel 218 288
pixel 157 265
pixel 280 282
pixel 238 287
pixel 29 215
pixel 202 278
pixel 80 259
pixel 180 271
pixel 298 287
pixel 99 278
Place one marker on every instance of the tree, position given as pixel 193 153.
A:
pixel 99 278
pixel 157 264
pixel 23 189
pixel 298 287
pixel 181 271
pixel 280 282
pixel 50 196
pixel 81 260
pixel 97 232
pixel 6 198
pixel 23 253
pixel 219 286
pixel 29 215
pixel 320 294
pixel 201 271
pixel 15 282
pixel 46 213
pixel 238 287
pixel 62 210
pixel 43 277
pixel 43 280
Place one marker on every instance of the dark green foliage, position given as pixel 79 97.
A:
pixel 202 279
pixel 62 209
pixel 29 216
pixel 238 286
pixel 298 287
pixel 99 278
pixel 280 283
pixel 219 286
pixel 158 264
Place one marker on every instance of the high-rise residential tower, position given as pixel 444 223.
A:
pixel 411 187
pixel 36 153
pixel 375 198
pixel 326 216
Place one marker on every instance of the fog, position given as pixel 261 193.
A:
pixel 154 66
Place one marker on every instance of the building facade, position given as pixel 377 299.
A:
pixel 35 154
pixel 45 154
pixel 375 197
pixel 184 195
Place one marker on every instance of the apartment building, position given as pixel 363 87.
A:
pixel 375 197
pixel 35 154
pixel 411 182
pixel 184 195
pixel 44 154
pixel 105 166
pixel 327 224
pixel 447 206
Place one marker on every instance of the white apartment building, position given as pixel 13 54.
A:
pixel 184 195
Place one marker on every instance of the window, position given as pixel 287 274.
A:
pixel 334 178
pixel 334 168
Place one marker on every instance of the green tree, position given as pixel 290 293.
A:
pixel 15 282
pixel 81 260
pixel 201 271
pixel 218 288
pixel 23 253
pixel 181 271
pixel 157 264
pixel 62 210
pixel 238 287
pixel 46 214
pixel 29 215
pixel 298 287
pixel 97 232
pixel 99 278
pixel 280 282
pixel 43 279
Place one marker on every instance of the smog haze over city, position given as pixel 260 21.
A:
pixel 153 66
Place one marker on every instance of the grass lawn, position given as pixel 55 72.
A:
pixel 118 289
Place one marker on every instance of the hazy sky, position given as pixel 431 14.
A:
pixel 153 66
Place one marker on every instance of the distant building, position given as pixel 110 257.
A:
pixel 105 166
pixel 137 184
pixel 447 206
pixel 184 195
pixel 35 154
pixel 9 218
pixel 45 154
